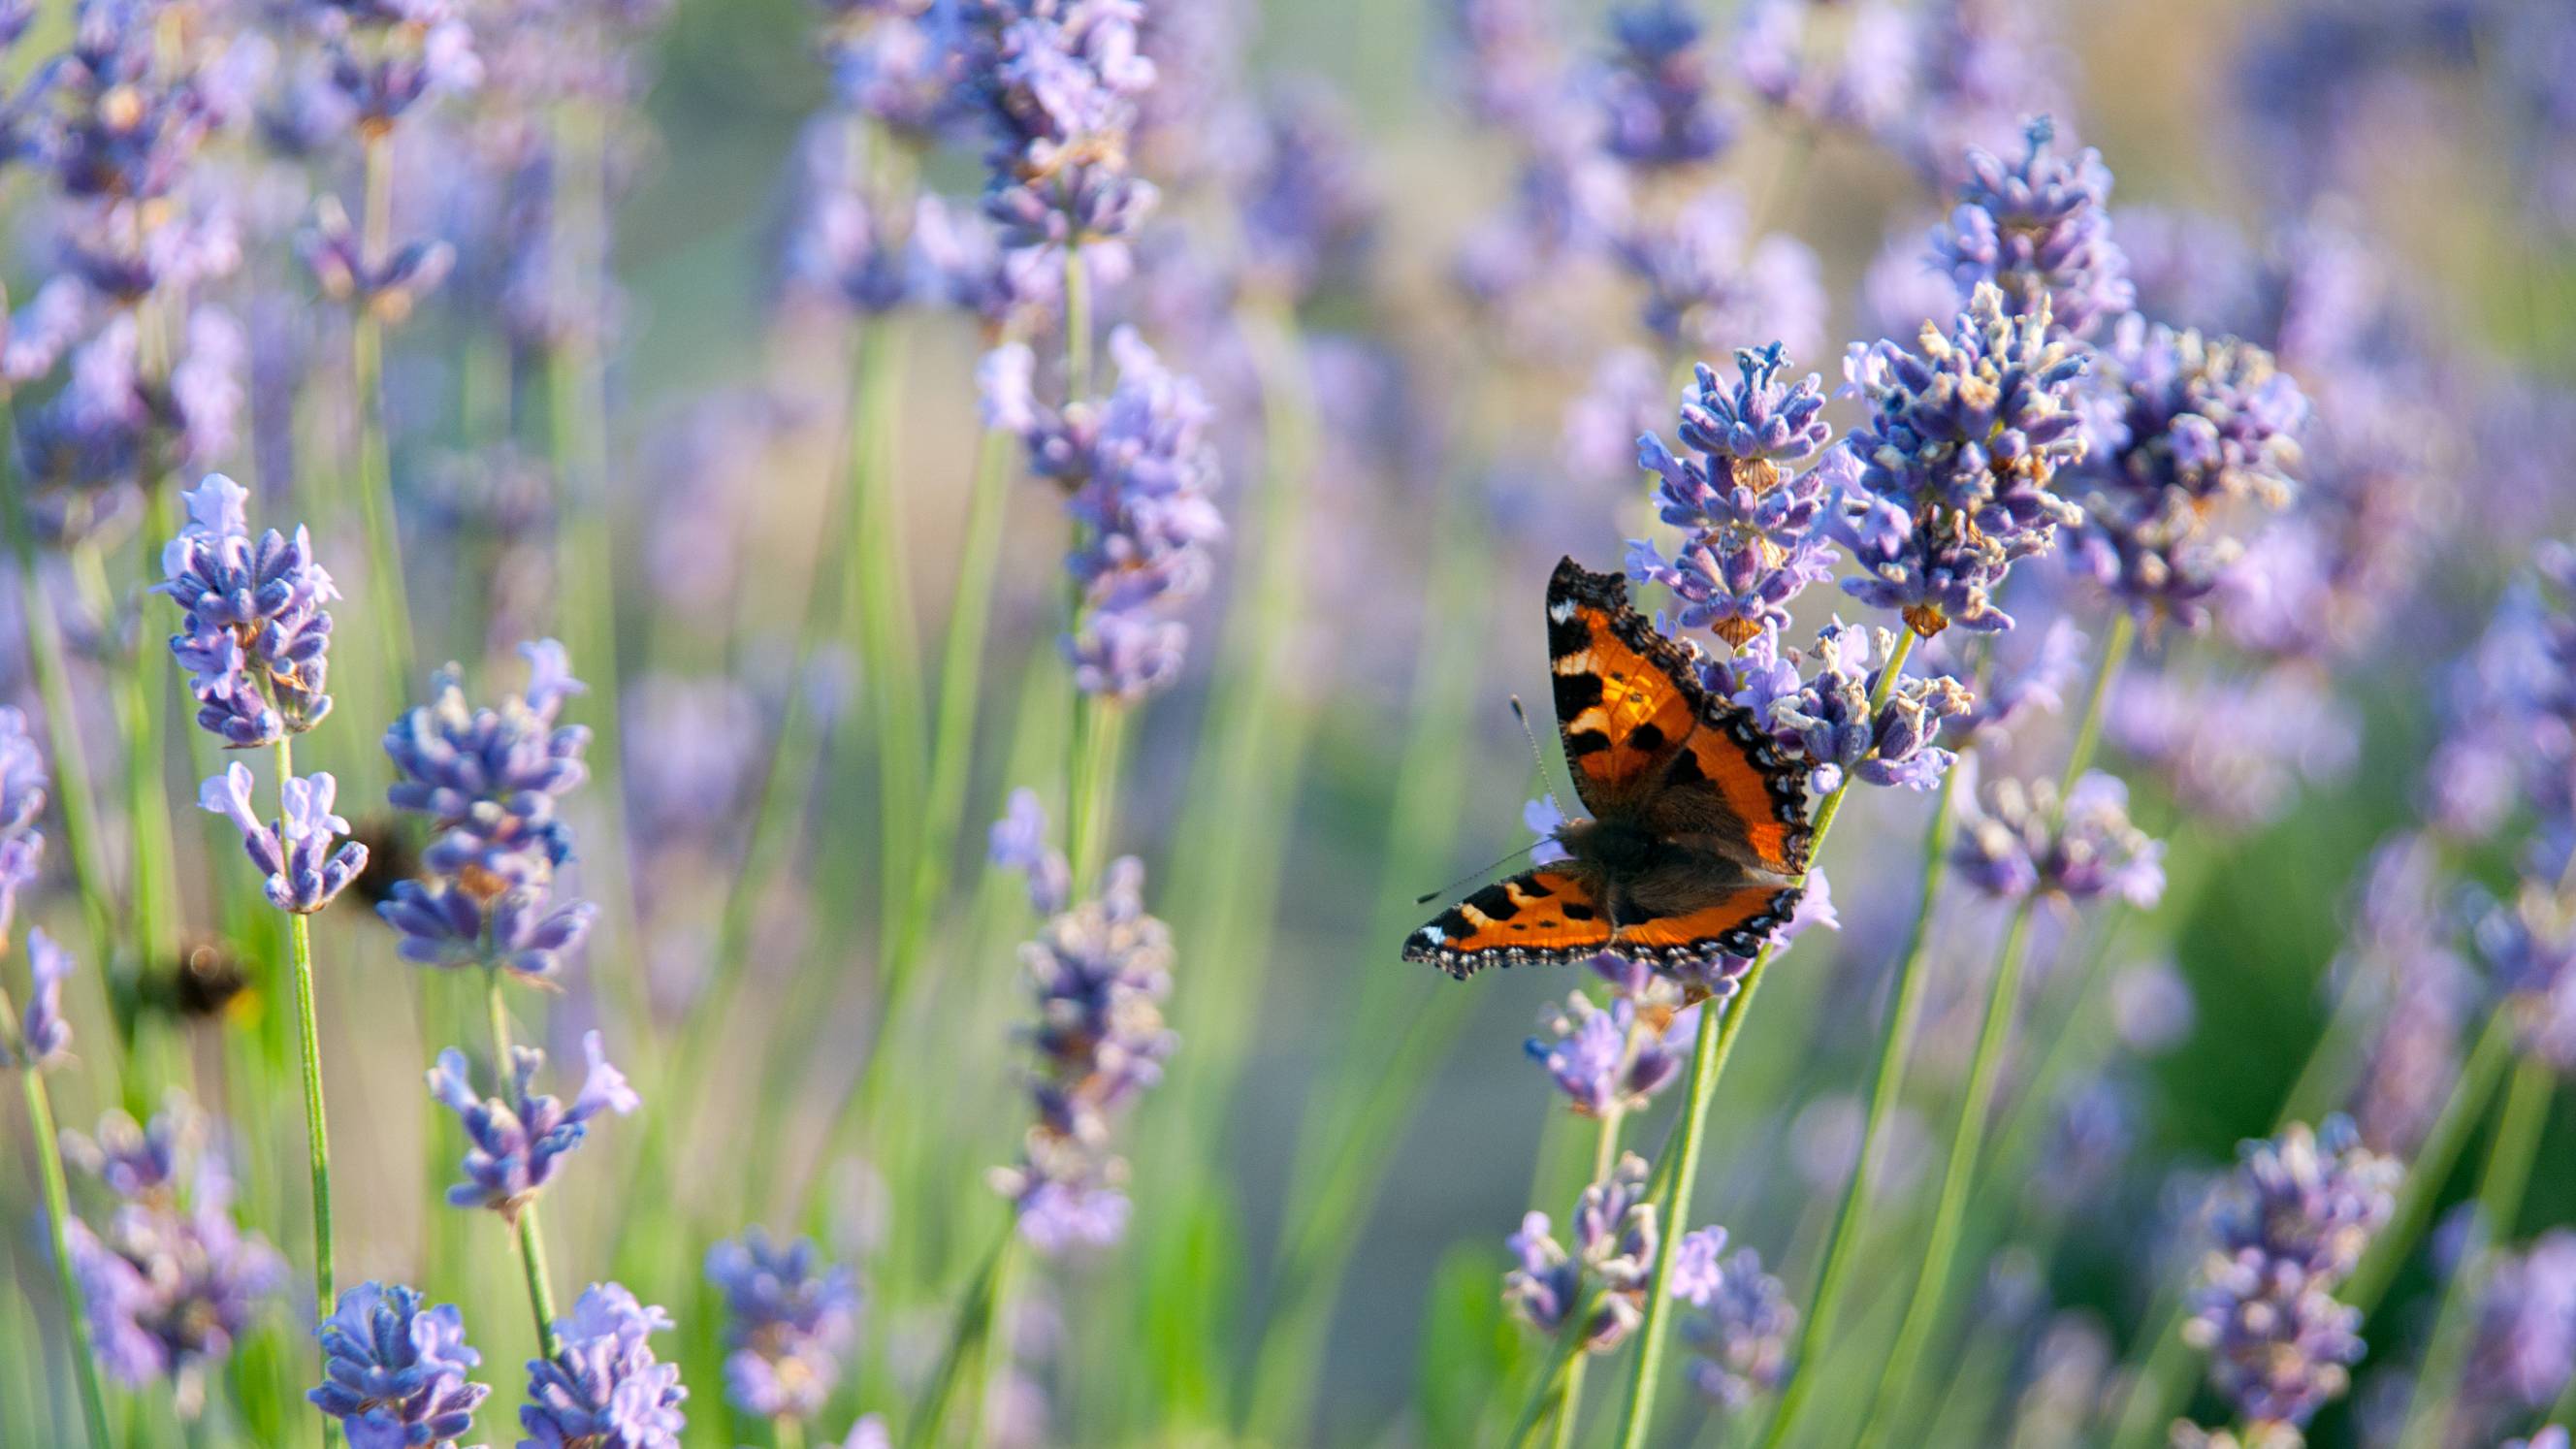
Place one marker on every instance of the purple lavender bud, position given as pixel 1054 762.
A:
pixel 841 243
pixel 1709 284
pixel 1657 106
pixel 393 1369
pixel 1605 1276
pixel 1543 818
pixel 520 930
pixel 386 58
pixel 1063 96
pixel 43 1034
pixel 1861 80
pixel 790 1319
pixel 488 779
pixel 1743 1333
pixel 2286 1229
pixel 2021 840
pixel 1830 721
pixel 518 1142
pixel 903 67
pixel 304 872
pixel 604 1389
pixel 2525 1348
pixel 1698 1275
pixel 1957 460
pixel 1613 1059
pixel 390 287
pixel 1751 521
pixel 169 1282
pixel 1019 842
pixel 1099 970
pixel 2040 230
pixel 254 633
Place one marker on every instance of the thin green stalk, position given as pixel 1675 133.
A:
pixel 966 1340
pixel 375 464
pixel 1886 1086
pixel 53 685
pixel 1605 1156
pixel 880 623
pixel 2500 1191
pixel 1564 1354
pixel 2088 727
pixel 1985 1073
pixel 523 1227
pixel 1716 1043
pixel 788 1432
pixel 1099 730
pixel 309 1040
pixel 58 1213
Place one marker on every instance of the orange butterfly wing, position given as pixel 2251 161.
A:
pixel 1626 696
pixel 1544 915
pixel 1737 924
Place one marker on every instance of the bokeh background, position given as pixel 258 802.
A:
pixel 1342 743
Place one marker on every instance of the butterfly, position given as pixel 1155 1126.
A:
pixel 1698 838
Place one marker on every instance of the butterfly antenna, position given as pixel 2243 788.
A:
pixel 1452 887
pixel 1538 758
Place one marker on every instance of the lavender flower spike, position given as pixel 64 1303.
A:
pixel 604 1389
pixel 1830 721
pixel 790 1318
pixel 1606 1275
pixel 254 634
pixel 2024 842
pixel 1603 1059
pixel 304 872
pixel 518 1142
pixel 43 1034
pixel 393 1369
pixel 2040 230
pixel 1743 1332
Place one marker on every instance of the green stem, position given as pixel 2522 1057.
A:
pixel 1886 1083
pixel 58 1210
pixel 1985 1072
pixel 787 1432
pixel 966 1340
pixel 375 464
pixel 1605 1156
pixel 1099 727
pixel 2500 1191
pixel 2088 727
pixel 881 624
pixel 524 1228
pixel 53 685
pixel 1564 1359
pixel 1716 1043
pixel 309 1040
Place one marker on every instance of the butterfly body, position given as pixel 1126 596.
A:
pixel 1698 837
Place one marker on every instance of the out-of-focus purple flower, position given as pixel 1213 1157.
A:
pixel 519 1141
pixel 2401 960
pixel 2188 431
pixel 1099 969
pixel 845 243
pixel 1509 58
pixel 1138 470
pixel 1605 1277
pixel 902 66
pixel 2030 674
pixel 2040 231
pixel 304 872
pixel 1308 205
pixel 1710 285
pixel 2152 1007
pixel 1611 1059
pixel 43 1034
pixel 1624 399
pixel 790 1318
pixel 23 790
pixel 169 1282
pixel 1656 104
pixel 386 58
pixel 1964 441
pixel 1064 83
pixel 1750 519
pixel 390 286
pixel 2020 840
pixel 1018 841
pixel 2234 752
pixel 1698 1273
pixel 1982 68
pixel 1831 722
pixel 2190 268
pixel 2089 1140
pixel 1831 66
pixel 2286 1229
pixel 2529 943
pixel 1742 1334
pixel 393 1369
pixel 604 1388
pixel 2525 1348
pixel 254 635
pixel 2511 707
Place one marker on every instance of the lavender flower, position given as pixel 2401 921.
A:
pixel 2289 1226
pixel 790 1317
pixel 391 286
pixel 1137 471
pixel 2530 945
pixel 1099 969
pixel 1613 1059
pixel 23 791
pixel 2525 1348
pixel 1656 104
pixel 1749 517
pixel 43 1034
pixel 254 635
pixel 1018 842
pixel 1605 1278
pixel 1508 58
pixel 2023 841
pixel 518 1142
pixel 1981 68
pixel 2030 675
pixel 2039 230
pixel 385 58
pixel 1710 284
pixel 169 1281
pixel 1830 721
pixel 2191 427
pixel 393 1369
pixel 2512 706
pixel 1065 82
pixel 604 1389
pixel 1861 80
pixel 1743 1332
pixel 1963 443
pixel 304 873
pixel 1308 204
pixel 2234 752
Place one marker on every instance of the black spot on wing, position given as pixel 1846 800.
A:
pixel 1647 738
pixel 1576 693
pixel 1577 911
pixel 1685 770
pixel 1496 903
pixel 1567 636
pixel 1579 743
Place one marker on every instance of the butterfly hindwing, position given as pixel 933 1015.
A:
pixel 1626 696
pixel 1736 923
pixel 1729 782
pixel 1543 915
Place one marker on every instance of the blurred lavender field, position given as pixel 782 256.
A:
pixel 801 662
